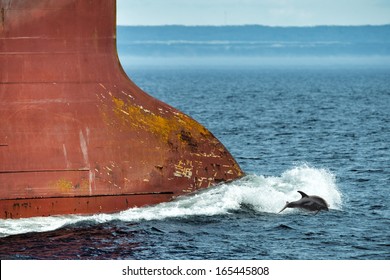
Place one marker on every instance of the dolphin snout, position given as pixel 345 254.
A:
pixel 284 206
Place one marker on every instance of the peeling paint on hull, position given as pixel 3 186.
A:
pixel 76 135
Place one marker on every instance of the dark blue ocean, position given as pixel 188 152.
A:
pixel 324 130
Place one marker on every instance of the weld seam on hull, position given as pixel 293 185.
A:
pixel 89 196
pixel 40 171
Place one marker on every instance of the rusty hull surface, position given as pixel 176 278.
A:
pixel 76 135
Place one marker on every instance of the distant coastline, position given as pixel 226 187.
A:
pixel 265 43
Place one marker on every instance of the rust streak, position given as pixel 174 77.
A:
pixel 2 15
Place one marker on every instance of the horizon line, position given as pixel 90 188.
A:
pixel 254 25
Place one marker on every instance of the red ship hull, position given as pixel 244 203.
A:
pixel 76 135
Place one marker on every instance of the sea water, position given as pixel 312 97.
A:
pixel 322 130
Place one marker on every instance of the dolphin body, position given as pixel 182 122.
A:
pixel 308 202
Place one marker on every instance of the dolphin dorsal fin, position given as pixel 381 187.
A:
pixel 303 194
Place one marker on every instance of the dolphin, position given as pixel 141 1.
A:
pixel 308 202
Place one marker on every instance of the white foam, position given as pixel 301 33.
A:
pixel 263 194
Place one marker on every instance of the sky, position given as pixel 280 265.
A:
pixel 263 12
